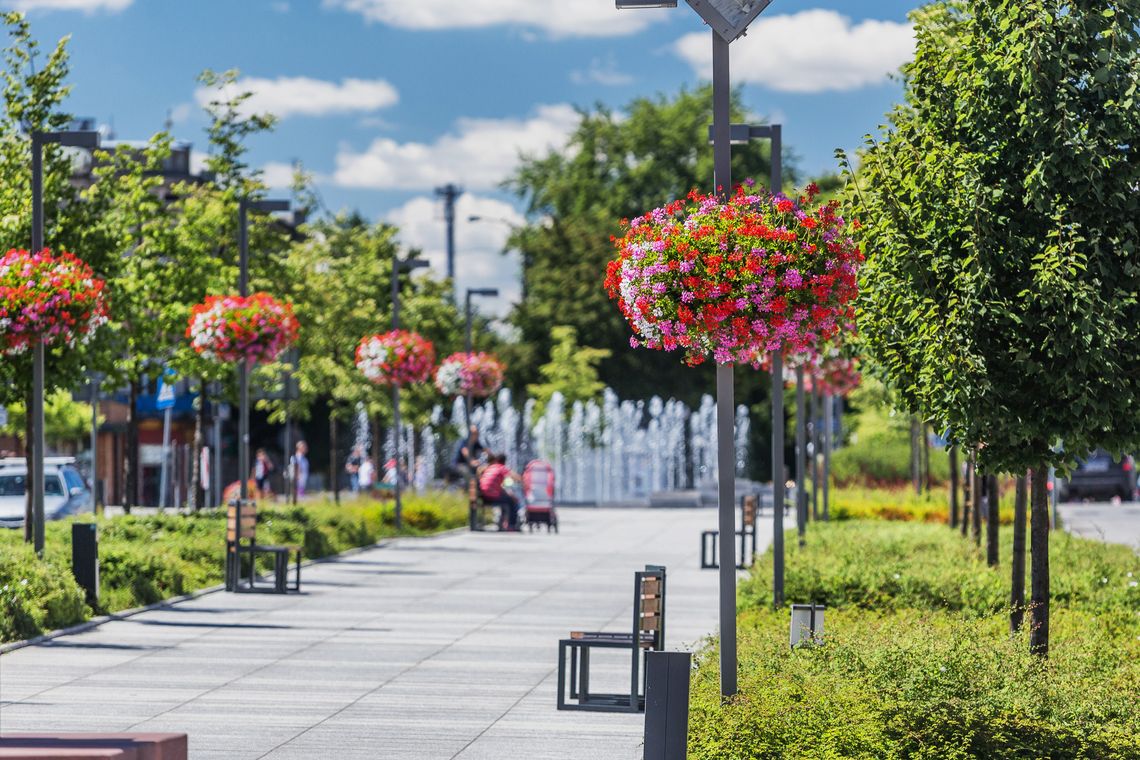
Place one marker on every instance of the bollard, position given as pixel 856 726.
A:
pixel 667 705
pixel 85 559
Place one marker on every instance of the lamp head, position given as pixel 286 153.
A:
pixel 483 291
pixel 409 264
pixel 623 4
pixel 267 206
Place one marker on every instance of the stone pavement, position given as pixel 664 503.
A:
pixel 1115 523
pixel 442 647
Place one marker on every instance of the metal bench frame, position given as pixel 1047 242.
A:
pixel 241 539
pixel 476 507
pixel 647 634
pixel 710 555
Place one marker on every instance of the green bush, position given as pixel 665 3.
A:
pixel 36 595
pixel 930 685
pixel 888 565
pixel 145 559
pixel 883 459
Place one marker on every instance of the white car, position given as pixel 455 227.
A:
pixel 65 493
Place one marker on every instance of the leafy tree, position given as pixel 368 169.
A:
pixel 1001 213
pixel 571 371
pixel 65 419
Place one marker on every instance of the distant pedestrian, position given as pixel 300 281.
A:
pixel 352 467
pixel 300 464
pixel 366 476
pixel 468 456
pixel 491 486
pixel 262 469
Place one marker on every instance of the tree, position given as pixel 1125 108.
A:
pixel 571 371
pixel 615 166
pixel 65 419
pixel 1001 219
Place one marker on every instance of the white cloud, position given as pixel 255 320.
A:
pixel 278 175
pixel 810 51
pixel 558 18
pixel 604 72
pixel 293 96
pixel 181 112
pixel 87 6
pixel 479 261
pixel 478 155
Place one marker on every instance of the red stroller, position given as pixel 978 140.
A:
pixel 538 489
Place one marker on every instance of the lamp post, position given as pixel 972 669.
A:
pixel 490 293
pixel 244 207
pixel 397 267
pixel 729 20
pixel 450 193
pixel 73 139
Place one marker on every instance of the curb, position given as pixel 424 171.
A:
pixel 95 622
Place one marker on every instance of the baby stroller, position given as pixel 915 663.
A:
pixel 538 489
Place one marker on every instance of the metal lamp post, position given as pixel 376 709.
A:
pixel 729 20
pixel 73 139
pixel 490 293
pixel 244 207
pixel 450 194
pixel 397 267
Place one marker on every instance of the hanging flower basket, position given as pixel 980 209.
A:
pixel 462 374
pixel 737 278
pixel 833 376
pixel 255 328
pixel 53 298
pixel 398 358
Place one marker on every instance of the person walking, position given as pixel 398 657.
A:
pixel 300 464
pixel 352 467
pixel 262 469
pixel 366 475
pixel 491 485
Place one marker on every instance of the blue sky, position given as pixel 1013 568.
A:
pixel 385 99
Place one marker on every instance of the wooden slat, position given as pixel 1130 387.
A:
pixel 650 622
pixel 651 587
pixel 652 605
pixel 749 516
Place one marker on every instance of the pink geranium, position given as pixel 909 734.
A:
pixel 50 298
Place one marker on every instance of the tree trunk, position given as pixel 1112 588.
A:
pixel 334 481
pixel 967 495
pixel 979 483
pixel 992 521
pixel 131 460
pixel 1017 591
pixel 198 494
pixel 1039 569
pixel 915 461
pixel 953 452
pixel 29 434
pixel 926 457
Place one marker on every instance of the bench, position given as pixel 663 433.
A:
pixel 749 508
pixel 647 634
pixel 477 508
pixel 140 746
pixel 241 540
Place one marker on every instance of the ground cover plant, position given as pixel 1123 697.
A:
pixel 901 503
pixel 144 559
pixel 918 661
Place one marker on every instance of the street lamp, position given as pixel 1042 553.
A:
pixel 729 19
pixel 450 193
pixel 399 266
pixel 244 207
pixel 490 293
pixel 84 138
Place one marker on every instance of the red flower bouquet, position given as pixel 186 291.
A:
pixel 398 357
pixel 464 374
pixel 256 328
pixel 53 298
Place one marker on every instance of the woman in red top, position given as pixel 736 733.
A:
pixel 491 486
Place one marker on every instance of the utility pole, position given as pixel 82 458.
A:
pixel 450 193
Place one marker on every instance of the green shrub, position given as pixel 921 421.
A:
pixel 36 595
pixel 886 566
pixel 883 459
pixel 931 685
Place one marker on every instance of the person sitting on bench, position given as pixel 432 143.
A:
pixel 491 486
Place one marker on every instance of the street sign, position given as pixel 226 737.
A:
pixel 165 398
pixel 3 416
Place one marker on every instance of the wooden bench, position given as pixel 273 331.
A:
pixel 141 746
pixel 710 551
pixel 647 634
pixel 477 508
pixel 241 540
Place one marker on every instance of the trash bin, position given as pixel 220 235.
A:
pixel 85 559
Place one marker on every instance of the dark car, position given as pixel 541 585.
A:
pixel 1100 476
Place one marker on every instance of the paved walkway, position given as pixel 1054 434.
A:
pixel 425 648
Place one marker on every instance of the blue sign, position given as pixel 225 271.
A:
pixel 165 397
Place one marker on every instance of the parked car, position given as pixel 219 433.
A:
pixel 65 492
pixel 1100 477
